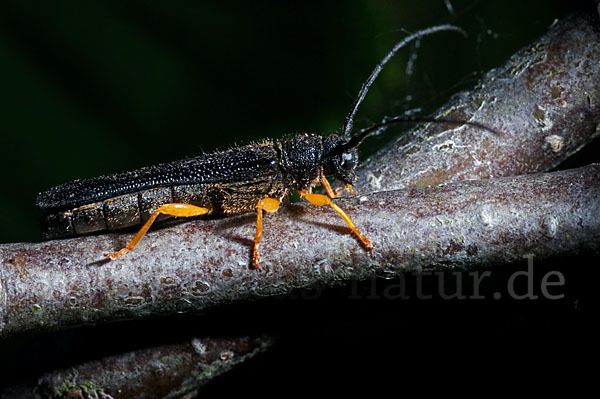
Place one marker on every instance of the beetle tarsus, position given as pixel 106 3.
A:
pixel 118 254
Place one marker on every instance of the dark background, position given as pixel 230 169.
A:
pixel 97 87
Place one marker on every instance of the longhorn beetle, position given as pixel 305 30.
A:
pixel 242 179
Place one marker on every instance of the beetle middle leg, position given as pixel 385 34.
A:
pixel 320 200
pixel 269 205
pixel 175 209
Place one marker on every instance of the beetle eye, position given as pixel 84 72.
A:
pixel 348 160
pixel 347 157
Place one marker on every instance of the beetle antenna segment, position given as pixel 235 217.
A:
pixel 348 124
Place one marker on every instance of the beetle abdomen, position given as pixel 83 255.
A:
pixel 119 212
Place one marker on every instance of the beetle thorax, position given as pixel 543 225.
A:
pixel 302 160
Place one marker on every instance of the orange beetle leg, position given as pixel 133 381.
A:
pixel 320 200
pixel 269 205
pixel 349 188
pixel 331 193
pixel 175 209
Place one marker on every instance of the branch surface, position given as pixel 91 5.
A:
pixel 203 263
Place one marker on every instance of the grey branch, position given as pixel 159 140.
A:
pixel 203 263
pixel 544 100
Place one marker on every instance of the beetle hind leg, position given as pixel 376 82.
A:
pixel 175 209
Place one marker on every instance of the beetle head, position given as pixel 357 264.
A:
pixel 340 158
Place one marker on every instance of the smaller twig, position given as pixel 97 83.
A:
pixel 168 371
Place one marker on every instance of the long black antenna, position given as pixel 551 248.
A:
pixel 365 87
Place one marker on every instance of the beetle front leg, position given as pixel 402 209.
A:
pixel 320 200
pixel 331 193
